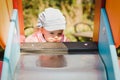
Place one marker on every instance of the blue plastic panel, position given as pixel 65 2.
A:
pixel 107 48
pixel 12 50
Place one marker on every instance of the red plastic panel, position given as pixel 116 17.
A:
pixel 1 67
pixel 17 4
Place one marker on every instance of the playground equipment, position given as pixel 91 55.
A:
pixel 100 60
pixel 86 34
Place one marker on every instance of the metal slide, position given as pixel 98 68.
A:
pixel 82 62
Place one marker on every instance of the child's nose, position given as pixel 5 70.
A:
pixel 56 36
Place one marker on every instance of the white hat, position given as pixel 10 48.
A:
pixel 52 19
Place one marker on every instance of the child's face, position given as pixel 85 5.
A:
pixel 52 36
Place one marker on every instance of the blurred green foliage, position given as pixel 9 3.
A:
pixel 88 8
pixel 118 51
pixel 31 10
pixel 1 49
